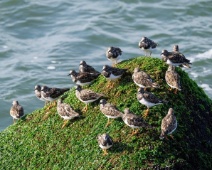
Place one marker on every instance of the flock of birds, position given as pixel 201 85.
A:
pixel 87 74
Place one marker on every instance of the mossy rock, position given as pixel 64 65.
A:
pixel 38 141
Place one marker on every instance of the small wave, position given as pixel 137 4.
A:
pixel 4 48
pixel 206 87
pixel 194 74
pixel 202 56
pixel 51 67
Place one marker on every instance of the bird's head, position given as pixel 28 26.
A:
pixel 44 88
pixel 78 88
pixel 72 73
pixel 38 87
pixel 171 111
pixel 175 48
pixel 82 62
pixel 103 101
pixel 15 102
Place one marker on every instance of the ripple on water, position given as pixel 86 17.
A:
pixel 51 67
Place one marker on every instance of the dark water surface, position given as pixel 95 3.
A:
pixel 40 41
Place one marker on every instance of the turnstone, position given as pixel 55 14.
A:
pixel 38 93
pixel 86 96
pixel 112 73
pixel 51 94
pixel 84 78
pixel 109 110
pixel 66 111
pixel 84 67
pixel 172 78
pixel 16 111
pixel 134 121
pixel 147 45
pixel 142 79
pixel 175 58
pixel 168 124
pixel 148 99
pixel 105 142
pixel 113 54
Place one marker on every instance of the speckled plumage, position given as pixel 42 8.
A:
pixel 147 45
pixel 105 142
pixel 109 110
pixel 172 78
pixel 132 120
pixel 175 58
pixel 16 111
pixel 142 79
pixel 66 111
pixel 87 95
pixel 113 54
pixel 83 78
pixel 112 73
pixel 84 67
pixel 51 94
pixel 168 124
pixel 148 99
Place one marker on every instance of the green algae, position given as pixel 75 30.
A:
pixel 39 142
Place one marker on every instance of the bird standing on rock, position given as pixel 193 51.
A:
pixel 142 79
pixel 16 111
pixel 66 112
pixel 134 121
pixel 147 45
pixel 113 54
pixel 86 96
pixel 112 73
pixel 83 78
pixel 172 78
pixel 148 99
pixel 168 124
pixel 84 67
pixel 109 110
pixel 175 58
pixel 105 142
pixel 38 94
pixel 51 94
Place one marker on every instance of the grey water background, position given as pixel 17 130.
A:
pixel 40 41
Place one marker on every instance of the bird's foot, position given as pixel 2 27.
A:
pixel 105 152
pixel 108 123
pixel 135 132
pixel 146 114
pixel 172 137
pixel 85 108
pixel 64 124
pixel 110 85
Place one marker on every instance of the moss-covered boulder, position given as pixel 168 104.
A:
pixel 38 141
